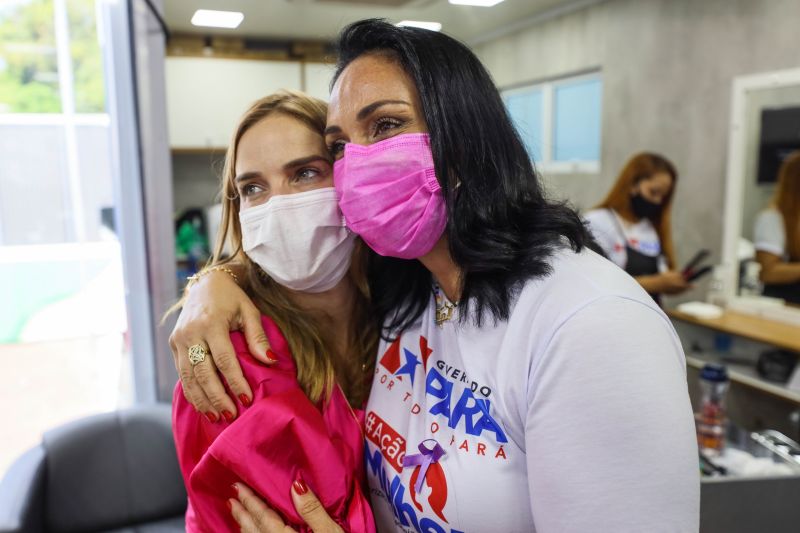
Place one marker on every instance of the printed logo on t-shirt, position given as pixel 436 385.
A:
pixel 436 482
pixel 462 410
pixel 459 418
pixel 388 441
pixel 464 407
pixel 405 365
pixel 407 513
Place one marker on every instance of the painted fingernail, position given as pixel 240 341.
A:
pixel 229 504
pixel 244 399
pixel 211 417
pixel 300 486
pixel 271 357
pixel 235 488
pixel 228 415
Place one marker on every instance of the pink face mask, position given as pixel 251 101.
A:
pixel 389 195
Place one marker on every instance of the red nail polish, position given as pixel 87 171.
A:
pixel 228 416
pixel 300 486
pixel 245 400
pixel 235 488
pixel 211 417
pixel 271 356
pixel 229 505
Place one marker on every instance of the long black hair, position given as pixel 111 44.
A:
pixel 501 227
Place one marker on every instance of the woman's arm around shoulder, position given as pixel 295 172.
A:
pixel 214 306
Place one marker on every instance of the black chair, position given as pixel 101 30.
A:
pixel 114 472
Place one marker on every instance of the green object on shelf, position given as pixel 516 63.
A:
pixel 190 242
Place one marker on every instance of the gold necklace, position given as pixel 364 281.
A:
pixel 444 307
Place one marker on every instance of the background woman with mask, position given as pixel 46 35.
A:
pixel 777 235
pixel 293 254
pixel 633 224
pixel 523 382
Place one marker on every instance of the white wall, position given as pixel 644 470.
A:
pixel 667 68
pixel 317 79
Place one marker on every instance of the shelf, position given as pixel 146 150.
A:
pixel 777 334
pixel 199 151
pixel 746 375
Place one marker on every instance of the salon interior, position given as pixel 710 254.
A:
pixel 115 116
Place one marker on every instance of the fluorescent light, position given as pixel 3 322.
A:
pixel 217 19
pixel 433 26
pixel 482 3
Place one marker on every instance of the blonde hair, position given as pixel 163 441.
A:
pixel 638 168
pixel 787 201
pixel 313 352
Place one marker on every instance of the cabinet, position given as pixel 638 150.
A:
pixel 206 96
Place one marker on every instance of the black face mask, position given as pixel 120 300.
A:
pixel 644 208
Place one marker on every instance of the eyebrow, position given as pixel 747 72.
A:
pixel 246 176
pixel 300 161
pixel 365 112
pixel 306 160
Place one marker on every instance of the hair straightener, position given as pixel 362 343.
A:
pixel 693 270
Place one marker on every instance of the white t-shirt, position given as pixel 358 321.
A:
pixel 572 416
pixel 770 233
pixel 612 233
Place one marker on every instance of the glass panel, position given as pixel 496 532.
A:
pixel 576 121
pixel 63 325
pixel 29 172
pixel 525 108
pixel 28 63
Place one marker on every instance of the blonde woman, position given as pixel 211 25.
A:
pixel 777 235
pixel 297 427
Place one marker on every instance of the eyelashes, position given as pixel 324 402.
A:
pixel 248 190
pixel 336 148
pixel 307 174
pixel 379 128
pixel 303 176
pixel 384 125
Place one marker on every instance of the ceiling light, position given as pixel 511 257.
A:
pixel 433 26
pixel 217 19
pixel 482 3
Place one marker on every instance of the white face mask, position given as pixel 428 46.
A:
pixel 299 240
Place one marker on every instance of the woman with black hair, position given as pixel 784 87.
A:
pixel 524 382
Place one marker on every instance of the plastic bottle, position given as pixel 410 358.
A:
pixel 716 287
pixel 711 421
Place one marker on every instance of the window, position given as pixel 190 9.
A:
pixel 63 322
pixel 559 122
pixel 525 107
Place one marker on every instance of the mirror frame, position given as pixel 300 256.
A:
pixel 734 181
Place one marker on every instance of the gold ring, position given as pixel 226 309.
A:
pixel 197 354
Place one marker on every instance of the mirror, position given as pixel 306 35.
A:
pixel 764 132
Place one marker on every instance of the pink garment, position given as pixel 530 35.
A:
pixel 281 436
